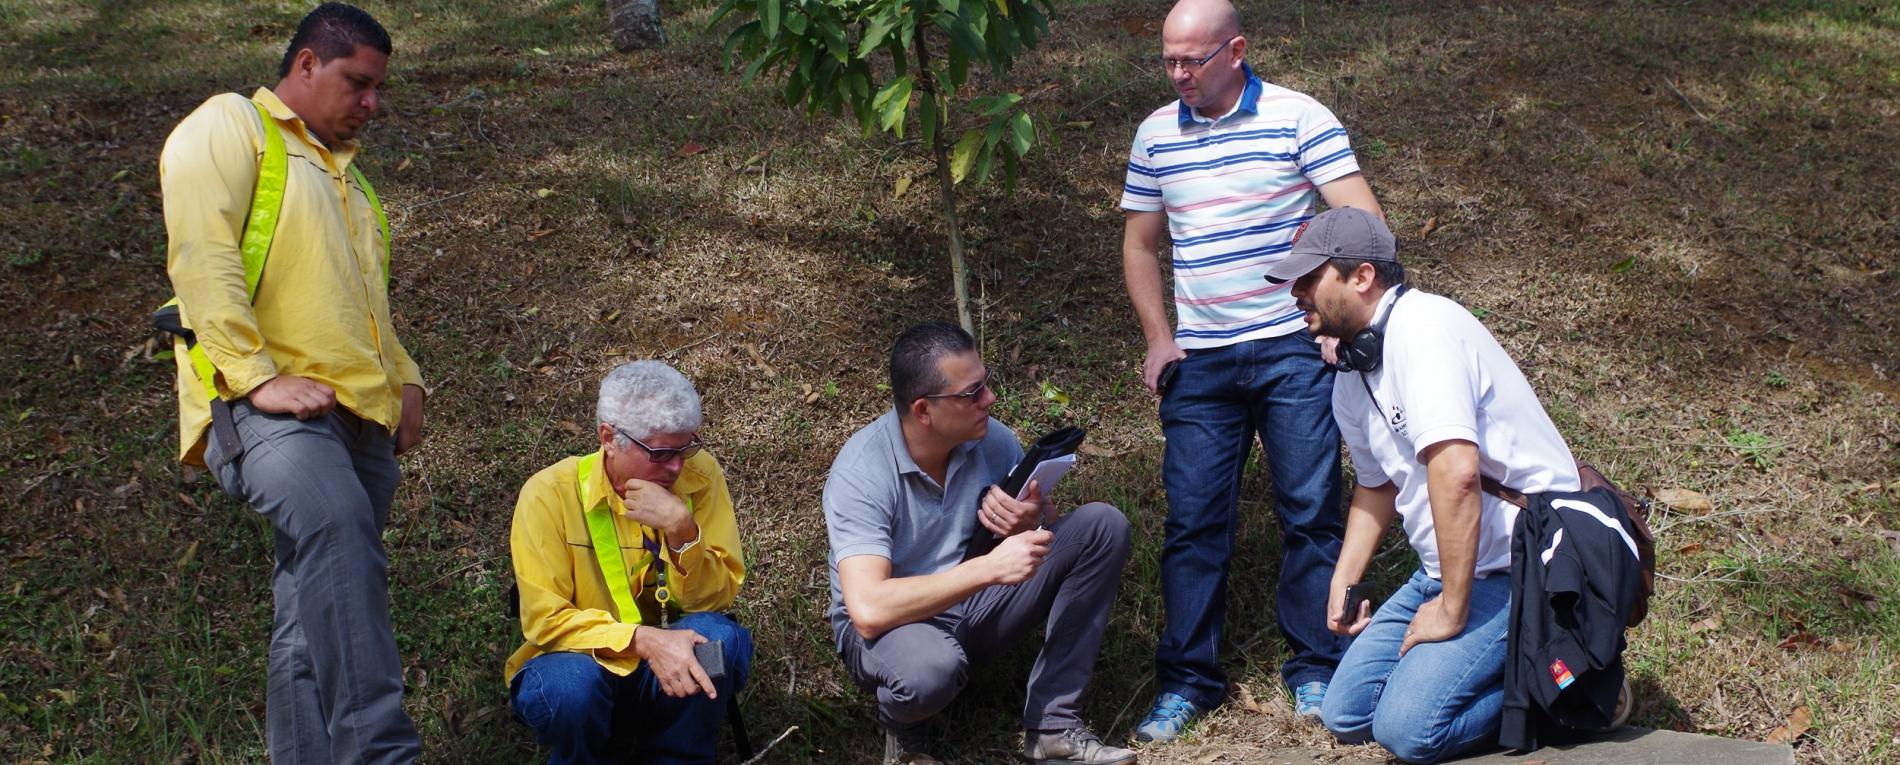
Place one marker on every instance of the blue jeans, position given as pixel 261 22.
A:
pixel 1440 699
pixel 1279 389
pixel 588 715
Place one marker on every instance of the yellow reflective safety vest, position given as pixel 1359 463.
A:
pixel 260 226
pixel 601 531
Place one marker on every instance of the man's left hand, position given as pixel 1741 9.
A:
pixel 409 426
pixel 1433 623
pixel 1006 516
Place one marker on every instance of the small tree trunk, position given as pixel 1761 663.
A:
pixel 959 270
pixel 946 186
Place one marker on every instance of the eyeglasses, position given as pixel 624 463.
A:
pixel 665 454
pixel 965 396
pixel 1189 64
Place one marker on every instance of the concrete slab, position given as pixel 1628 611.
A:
pixel 1642 746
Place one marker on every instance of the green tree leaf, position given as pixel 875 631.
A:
pixel 929 117
pixel 891 103
pixel 874 33
pixel 1022 134
pixel 771 13
pixel 964 155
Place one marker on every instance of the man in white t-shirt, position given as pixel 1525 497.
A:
pixel 1431 403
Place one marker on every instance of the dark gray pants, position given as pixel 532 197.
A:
pixel 325 485
pixel 917 669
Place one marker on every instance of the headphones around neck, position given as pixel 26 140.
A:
pixel 1366 350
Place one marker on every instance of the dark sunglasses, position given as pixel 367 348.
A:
pixel 666 454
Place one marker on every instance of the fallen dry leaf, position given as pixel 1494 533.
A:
pixel 538 233
pixel 691 148
pixel 1248 702
pixel 1685 500
pixel 1802 639
pixel 1140 27
pixel 1799 721
pixel 1691 547
pixel 1431 224
pixel 1711 623
pixel 902 185
pixel 759 359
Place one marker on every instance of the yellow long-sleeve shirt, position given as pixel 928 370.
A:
pixel 322 308
pixel 565 603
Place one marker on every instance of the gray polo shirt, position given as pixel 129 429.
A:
pixel 878 502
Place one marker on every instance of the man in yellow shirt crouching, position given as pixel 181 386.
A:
pixel 624 558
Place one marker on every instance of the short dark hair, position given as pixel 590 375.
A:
pixel 334 30
pixel 914 357
pixel 1388 273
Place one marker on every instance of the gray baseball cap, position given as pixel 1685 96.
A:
pixel 1342 232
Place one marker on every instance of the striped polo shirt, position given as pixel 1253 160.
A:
pixel 1236 189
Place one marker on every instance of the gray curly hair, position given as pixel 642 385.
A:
pixel 646 398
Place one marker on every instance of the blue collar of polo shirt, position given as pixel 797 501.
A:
pixel 1249 102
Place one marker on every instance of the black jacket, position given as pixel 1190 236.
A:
pixel 1575 577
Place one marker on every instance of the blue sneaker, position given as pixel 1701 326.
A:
pixel 1308 698
pixel 1171 714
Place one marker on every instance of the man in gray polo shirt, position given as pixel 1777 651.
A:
pixel 910 615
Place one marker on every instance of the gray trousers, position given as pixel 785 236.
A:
pixel 325 485
pixel 918 668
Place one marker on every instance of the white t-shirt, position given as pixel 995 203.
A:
pixel 1445 378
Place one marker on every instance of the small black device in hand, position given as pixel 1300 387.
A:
pixel 1053 444
pixel 1355 595
pixel 712 658
pixel 1165 380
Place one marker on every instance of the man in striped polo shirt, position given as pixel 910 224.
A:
pixel 1230 172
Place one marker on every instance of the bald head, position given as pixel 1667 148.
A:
pixel 1208 32
pixel 1201 21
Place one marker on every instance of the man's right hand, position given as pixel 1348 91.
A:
pixel 299 396
pixel 669 654
pixel 1338 621
pixel 1159 354
pixel 1015 559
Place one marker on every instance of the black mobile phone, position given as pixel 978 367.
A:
pixel 712 658
pixel 1166 379
pixel 1356 594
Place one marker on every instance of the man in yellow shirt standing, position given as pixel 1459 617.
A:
pixel 624 558
pixel 315 396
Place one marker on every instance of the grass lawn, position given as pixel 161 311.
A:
pixel 1679 218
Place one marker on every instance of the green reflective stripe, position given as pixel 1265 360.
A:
pixel 600 529
pixel 382 221
pixel 267 200
pixel 207 374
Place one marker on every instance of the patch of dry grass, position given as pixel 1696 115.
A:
pixel 1679 220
